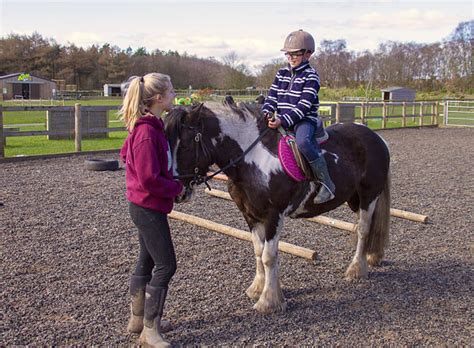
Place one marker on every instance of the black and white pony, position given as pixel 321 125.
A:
pixel 238 140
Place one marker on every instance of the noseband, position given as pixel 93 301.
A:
pixel 198 179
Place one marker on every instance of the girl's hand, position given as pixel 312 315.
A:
pixel 275 123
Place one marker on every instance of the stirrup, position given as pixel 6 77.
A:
pixel 320 200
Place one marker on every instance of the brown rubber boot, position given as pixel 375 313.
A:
pixel 137 303
pixel 151 335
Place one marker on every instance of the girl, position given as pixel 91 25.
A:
pixel 150 189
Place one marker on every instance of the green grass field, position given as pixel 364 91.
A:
pixel 39 145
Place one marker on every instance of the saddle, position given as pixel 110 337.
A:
pixel 293 162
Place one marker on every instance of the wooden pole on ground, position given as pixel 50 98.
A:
pixel 333 222
pixel 324 220
pixel 218 194
pixel 236 233
pixel 342 225
pixel 77 127
pixel 409 215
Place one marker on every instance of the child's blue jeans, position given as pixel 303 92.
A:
pixel 305 133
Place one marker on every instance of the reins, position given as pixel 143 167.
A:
pixel 200 179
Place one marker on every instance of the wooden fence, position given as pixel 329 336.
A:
pixel 414 110
pixel 331 113
pixel 76 132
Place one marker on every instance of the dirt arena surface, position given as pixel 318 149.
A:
pixel 68 247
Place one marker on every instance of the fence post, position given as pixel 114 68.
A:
pixel 433 113
pixel 404 114
pixel 2 138
pixel 77 126
pixel 338 112
pixel 362 113
pixel 421 113
pixel 384 115
pixel 446 112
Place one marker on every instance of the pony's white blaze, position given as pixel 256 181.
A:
pixel 175 158
pixel 244 132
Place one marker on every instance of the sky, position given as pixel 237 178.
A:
pixel 254 30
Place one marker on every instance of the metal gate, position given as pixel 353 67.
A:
pixel 459 113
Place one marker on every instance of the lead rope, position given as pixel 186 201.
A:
pixel 233 162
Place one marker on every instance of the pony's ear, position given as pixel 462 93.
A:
pixel 196 108
pixel 194 115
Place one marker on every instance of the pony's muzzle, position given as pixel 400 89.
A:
pixel 186 195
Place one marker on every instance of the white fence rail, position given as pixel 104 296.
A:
pixel 459 113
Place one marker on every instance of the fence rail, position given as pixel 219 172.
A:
pixel 459 113
pixel 418 113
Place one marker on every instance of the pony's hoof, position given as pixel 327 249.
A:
pixel 374 260
pixel 265 307
pixel 356 271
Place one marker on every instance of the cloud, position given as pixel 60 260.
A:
pixel 84 38
pixel 412 19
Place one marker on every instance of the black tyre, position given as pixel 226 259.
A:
pixel 102 164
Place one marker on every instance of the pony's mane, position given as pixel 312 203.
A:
pixel 242 110
pixel 174 119
pixel 173 122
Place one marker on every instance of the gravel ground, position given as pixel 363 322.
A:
pixel 68 247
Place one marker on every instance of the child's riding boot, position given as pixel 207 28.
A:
pixel 320 171
pixel 151 335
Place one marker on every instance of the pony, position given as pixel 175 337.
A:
pixel 236 139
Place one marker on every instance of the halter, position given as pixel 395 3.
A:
pixel 198 179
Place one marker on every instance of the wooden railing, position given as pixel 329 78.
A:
pixel 416 111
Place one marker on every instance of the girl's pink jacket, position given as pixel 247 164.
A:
pixel 148 165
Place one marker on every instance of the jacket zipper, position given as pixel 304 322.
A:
pixel 290 86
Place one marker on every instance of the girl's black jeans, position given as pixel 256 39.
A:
pixel 157 256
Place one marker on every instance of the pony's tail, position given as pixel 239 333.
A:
pixel 377 239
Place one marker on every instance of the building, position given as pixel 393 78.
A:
pixel 112 89
pixel 398 94
pixel 26 86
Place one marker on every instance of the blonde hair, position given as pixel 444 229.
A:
pixel 139 92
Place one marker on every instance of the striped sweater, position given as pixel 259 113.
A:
pixel 294 95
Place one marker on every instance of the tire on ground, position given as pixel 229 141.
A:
pixel 101 164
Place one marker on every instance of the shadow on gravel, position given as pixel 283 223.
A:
pixel 427 295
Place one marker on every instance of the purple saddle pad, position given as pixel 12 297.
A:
pixel 287 159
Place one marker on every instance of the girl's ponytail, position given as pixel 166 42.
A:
pixel 133 107
pixel 139 92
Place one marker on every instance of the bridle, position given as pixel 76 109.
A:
pixel 198 179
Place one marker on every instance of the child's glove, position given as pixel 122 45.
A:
pixel 269 115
